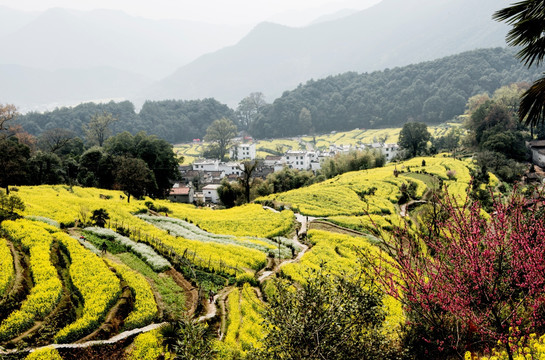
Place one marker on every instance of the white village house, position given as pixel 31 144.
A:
pixel 210 193
pixel 243 151
pixel 537 148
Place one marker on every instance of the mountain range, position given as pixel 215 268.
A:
pixel 273 58
pixel 64 57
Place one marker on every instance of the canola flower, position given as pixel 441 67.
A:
pixel 47 353
pixel 98 286
pixel 68 205
pixel 7 270
pixel 47 289
pixel 531 349
pixel 146 346
pixel 374 191
pixel 145 308
pixel 244 331
pixel 245 220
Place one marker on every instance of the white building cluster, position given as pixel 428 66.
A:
pixel 208 173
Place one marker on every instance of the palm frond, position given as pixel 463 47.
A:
pixel 532 104
pixel 528 20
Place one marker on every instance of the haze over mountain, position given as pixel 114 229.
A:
pixel 64 57
pixel 273 58
pixel 48 54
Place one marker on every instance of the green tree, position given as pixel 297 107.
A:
pixel 13 162
pixel 98 129
pixel 328 317
pixel 133 177
pixel 45 168
pixel 250 109
pixel 10 203
pixel 99 217
pixel 229 193
pixel 305 121
pixel 414 137
pixel 157 154
pixel 188 339
pixel 527 18
pixel 221 132
pixel 449 142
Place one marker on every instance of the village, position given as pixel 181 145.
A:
pixel 200 180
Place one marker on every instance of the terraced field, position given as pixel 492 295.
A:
pixel 75 283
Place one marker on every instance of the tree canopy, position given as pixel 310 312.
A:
pixel 220 133
pixel 413 138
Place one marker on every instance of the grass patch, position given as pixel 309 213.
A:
pixel 114 247
pixel 429 180
pixel 172 295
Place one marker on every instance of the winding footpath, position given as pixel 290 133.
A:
pixel 304 248
pixel 211 308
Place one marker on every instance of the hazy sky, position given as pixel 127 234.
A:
pixel 290 12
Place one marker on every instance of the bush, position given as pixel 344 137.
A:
pixel 327 317
pixel 245 278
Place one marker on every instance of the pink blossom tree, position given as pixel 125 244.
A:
pixel 480 277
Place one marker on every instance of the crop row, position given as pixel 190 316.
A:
pixel 47 289
pixel 7 271
pixel 245 331
pixel 143 251
pixel 367 222
pixel 228 259
pixel 146 346
pixel 68 204
pixel 145 307
pixel 47 353
pixel 246 220
pixel 98 286
pixel 186 230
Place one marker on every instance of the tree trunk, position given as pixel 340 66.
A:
pixel 7 189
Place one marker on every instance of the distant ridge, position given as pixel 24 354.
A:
pixel 272 58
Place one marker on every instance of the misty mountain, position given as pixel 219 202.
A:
pixel 38 89
pixel 273 58
pixel 61 38
pixel 334 16
pixel 11 20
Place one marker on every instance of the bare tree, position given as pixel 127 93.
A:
pixel 55 139
pixel 8 112
pixel 98 129
pixel 246 180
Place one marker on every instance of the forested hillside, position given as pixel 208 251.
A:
pixel 432 92
pixel 172 120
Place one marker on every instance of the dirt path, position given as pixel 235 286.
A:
pixel 191 292
pixel 211 307
pixel 113 340
pixel 304 248
pixel 403 208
